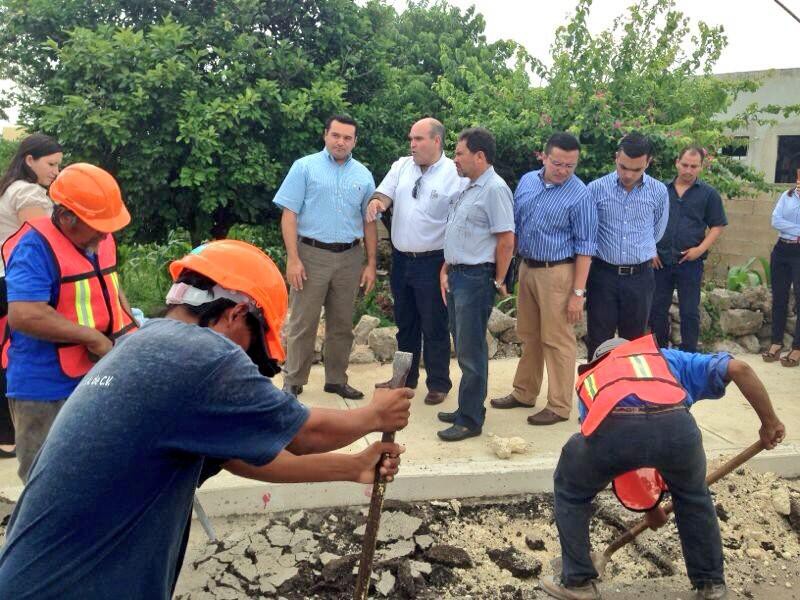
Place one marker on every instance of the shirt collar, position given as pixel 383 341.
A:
pixel 695 184
pixel 547 185
pixel 485 176
pixel 638 185
pixel 329 156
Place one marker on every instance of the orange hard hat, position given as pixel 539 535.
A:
pixel 93 195
pixel 241 267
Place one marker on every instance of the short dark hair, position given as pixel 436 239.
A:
pixel 344 119
pixel 479 139
pixel 694 149
pixel 563 140
pixel 635 145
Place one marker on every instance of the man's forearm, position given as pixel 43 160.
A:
pixel 40 320
pixel 371 242
pixel 330 429
pixel 582 265
pixel 289 232
pixel 288 468
pixel 503 254
pixel 382 198
pixel 752 389
pixel 710 238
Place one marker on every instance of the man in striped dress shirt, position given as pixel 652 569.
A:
pixel 556 225
pixel 632 211
pixel 324 200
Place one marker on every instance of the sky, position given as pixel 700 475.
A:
pixel 761 35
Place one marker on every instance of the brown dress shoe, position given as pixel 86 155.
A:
pixel 435 397
pixel 507 402
pixel 545 417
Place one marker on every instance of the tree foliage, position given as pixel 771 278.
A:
pixel 200 106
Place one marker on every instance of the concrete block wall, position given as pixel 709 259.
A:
pixel 749 233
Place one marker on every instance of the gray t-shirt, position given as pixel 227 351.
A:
pixel 483 209
pixel 110 493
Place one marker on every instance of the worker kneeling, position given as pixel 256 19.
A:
pixel 106 510
pixel 634 404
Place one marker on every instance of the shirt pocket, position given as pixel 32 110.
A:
pixel 436 205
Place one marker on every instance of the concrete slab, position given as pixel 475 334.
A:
pixel 434 469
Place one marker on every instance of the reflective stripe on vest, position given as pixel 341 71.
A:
pixel 87 296
pixel 634 368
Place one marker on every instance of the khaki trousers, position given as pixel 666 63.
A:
pixel 333 282
pixel 548 338
pixel 32 421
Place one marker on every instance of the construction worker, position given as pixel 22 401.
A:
pixel 106 510
pixel 65 305
pixel 634 405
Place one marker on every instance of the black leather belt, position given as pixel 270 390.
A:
pixel 486 266
pixel 647 409
pixel 421 254
pixel 785 241
pixel 623 269
pixel 330 247
pixel 544 264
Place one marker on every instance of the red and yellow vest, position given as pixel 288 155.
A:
pixel 636 367
pixel 86 296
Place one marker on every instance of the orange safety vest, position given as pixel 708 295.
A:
pixel 87 297
pixel 637 368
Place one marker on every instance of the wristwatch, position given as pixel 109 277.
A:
pixel 497 284
pixel 579 292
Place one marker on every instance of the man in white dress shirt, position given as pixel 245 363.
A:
pixel 420 188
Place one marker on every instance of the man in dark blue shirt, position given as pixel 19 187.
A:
pixel 696 220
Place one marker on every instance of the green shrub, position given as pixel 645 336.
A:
pixel 143 270
pixel 267 237
pixel 7 151
pixel 377 303
pixel 742 276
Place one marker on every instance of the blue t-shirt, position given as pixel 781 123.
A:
pixel 34 372
pixel 110 493
pixel 701 375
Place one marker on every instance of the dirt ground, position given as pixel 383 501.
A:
pixel 491 549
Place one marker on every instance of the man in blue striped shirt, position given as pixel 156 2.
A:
pixel 556 225
pixel 632 211
pixel 324 200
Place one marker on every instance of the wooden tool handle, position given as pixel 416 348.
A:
pixel 717 474
pixel 401 365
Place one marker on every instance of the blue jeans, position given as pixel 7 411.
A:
pixel 687 278
pixel 420 315
pixel 469 303
pixel 668 441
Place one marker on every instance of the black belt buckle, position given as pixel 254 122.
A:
pixel 626 270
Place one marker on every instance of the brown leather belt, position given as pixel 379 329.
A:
pixel 340 247
pixel 544 264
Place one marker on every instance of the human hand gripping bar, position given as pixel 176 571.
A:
pixel 401 365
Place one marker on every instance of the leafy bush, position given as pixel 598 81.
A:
pixel 267 237
pixel 742 276
pixel 143 270
pixel 7 151
pixel 377 303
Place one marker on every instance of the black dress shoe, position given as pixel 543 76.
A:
pixel 435 397
pixel 344 390
pixel 8 453
pixel 456 433
pixel 294 390
pixel 447 417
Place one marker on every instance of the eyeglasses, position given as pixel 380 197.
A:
pixel 415 189
pixel 559 165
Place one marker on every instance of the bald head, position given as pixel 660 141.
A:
pixel 426 139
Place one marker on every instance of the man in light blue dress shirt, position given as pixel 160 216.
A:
pixel 632 211
pixel 324 200
pixel 478 245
